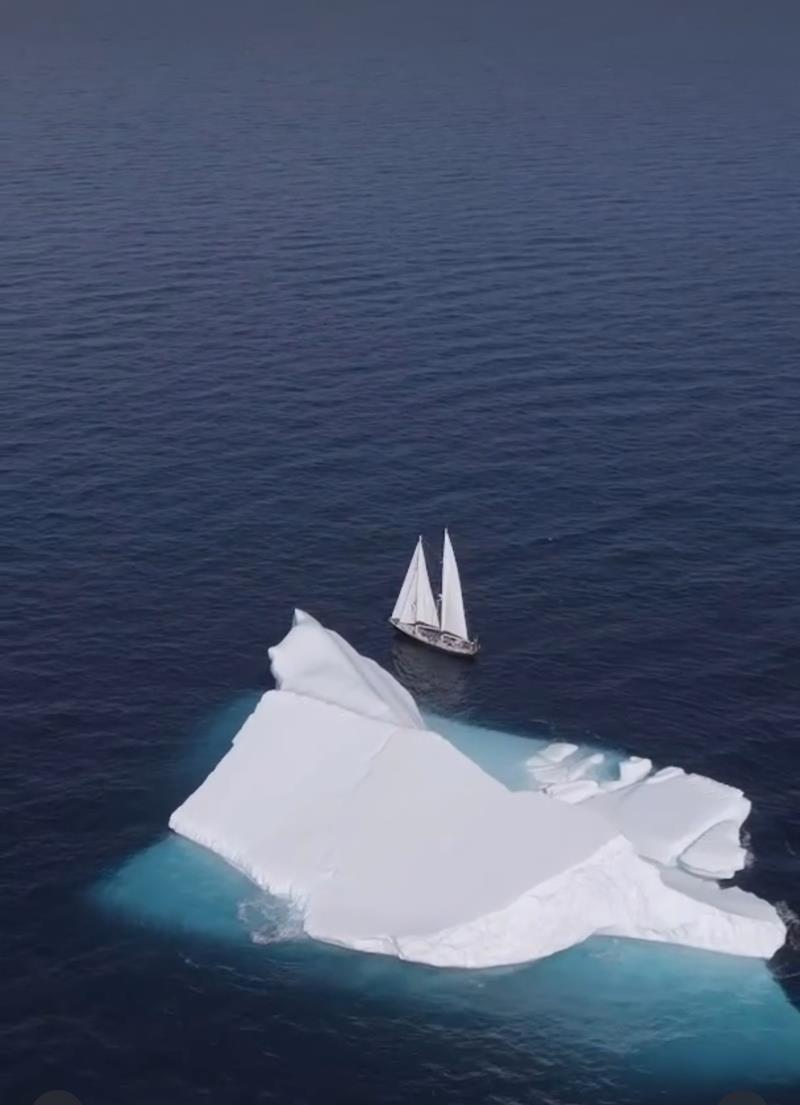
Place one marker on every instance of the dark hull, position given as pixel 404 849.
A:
pixel 436 638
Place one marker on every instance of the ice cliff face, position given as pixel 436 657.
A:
pixel 335 795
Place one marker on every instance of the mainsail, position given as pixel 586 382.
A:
pixel 415 603
pixel 454 619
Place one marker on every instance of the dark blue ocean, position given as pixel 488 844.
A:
pixel 283 284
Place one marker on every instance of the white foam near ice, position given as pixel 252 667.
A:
pixel 387 838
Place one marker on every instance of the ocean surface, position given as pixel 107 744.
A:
pixel 282 285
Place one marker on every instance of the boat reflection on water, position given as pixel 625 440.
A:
pixel 439 682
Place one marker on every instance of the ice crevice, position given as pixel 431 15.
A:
pixel 386 838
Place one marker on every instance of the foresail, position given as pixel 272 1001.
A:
pixel 406 605
pixel 453 618
pixel 426 604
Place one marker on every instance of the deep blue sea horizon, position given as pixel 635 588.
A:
pixel 283 285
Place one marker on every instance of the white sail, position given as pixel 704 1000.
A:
pixel 426 604
pixel 416 603
pixel 453 618
pixel 405 607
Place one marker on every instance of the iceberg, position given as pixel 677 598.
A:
pixel 384 837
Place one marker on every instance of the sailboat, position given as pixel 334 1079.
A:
pixel 416 613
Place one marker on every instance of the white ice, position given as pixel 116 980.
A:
pixel 717 854
pixel 668 815
pixel 387 838
pixel 317 663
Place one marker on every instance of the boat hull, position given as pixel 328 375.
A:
pixel 436 638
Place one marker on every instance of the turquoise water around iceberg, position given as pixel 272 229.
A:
pixel 695 1022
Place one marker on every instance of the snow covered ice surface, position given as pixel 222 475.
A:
pixel 385 837
pixel 669 817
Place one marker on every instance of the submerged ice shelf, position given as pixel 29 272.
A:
pixel 385 837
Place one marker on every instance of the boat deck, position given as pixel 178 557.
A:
pixel 437 638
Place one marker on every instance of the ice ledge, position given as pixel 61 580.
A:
pixel 669 816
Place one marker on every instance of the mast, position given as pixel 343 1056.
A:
pixel 453 616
